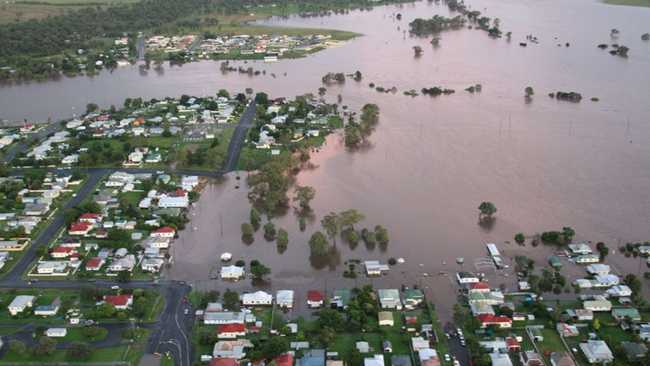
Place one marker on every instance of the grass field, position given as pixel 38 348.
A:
pixel 645 3
pixel 38 9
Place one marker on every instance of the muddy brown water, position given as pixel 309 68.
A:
pixel 545 164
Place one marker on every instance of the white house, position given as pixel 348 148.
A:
pixel 588 258
pixel 579 249
pixel 619 291
pixel 20 303
pixel 123 264
pixel 223 317
pixel 597 351
pixel 466 278
pixel 189 182
pixel 598 269
pixel 607 280
pixel 232 272
pixel 389 299
pixel 374 268
pixel 56 332
pixel 597 305
pixel 257 298
pixel 152 264
pixel 284 298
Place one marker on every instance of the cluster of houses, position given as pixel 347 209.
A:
pixel 31 207
pixel 82 247
pixel 54 145
pixel 172 44
pixel 232 327
pixel 294 120
pixel 271 47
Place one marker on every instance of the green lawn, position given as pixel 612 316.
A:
pixel 644 3
pixel 77 335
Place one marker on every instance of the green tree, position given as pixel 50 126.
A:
pixel 91 107
pixel 304 195
pixel 255 218
pixel 17 347
pixel 79 351
pixel 45 347
pixel 318 244
pixel 568 233
pixel 520 238
pixel 381 234
pixel 596 324
pixel 258 270
pixel 269 231
pixel 349 218
pixel 529 91
pixel 487 209
pixel 282 240
pixel 262 99
pixel 603 250
pixel 223 93
pixel 231 300
pixel 124 276
pixel 332 225
pixel 247 232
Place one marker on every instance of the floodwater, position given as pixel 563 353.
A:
pixel 545 164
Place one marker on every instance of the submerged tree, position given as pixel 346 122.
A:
pixel 486 210
pixel 318 244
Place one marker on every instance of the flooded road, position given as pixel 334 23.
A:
pixel 545 164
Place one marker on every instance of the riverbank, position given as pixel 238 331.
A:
pixel 641 3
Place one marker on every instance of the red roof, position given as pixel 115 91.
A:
pixel 60 249
pixel 511 342
pixel 80 226
pixel 118 300
pixel 480 286
pixel 223 362
pixel 179 193
pixel 284 360
pixel 231 328
pixel 314 296
pixel 94 262
pixel 165 229
pixel 89 215
pixel 489 318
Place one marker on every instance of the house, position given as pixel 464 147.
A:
pixel 178 199
pixel 389 299
pixel 634 351
pixel 362 346
pixel 512 344
pixel 479 287
pixel 374 268
pixel 597 305
pixel 52 268
pixel 376 360
pixel 231 349
pixel 164 232
pixel 90 218
pixel 567 330
pixel 401 360
pixel 466 278
pixel 62 252
pixel 285 359
pixel 20 303
pixel 36 209
pixel 223 362
pixel 418 343
pixel 413 298
pixel 48 310
pixel 56 332
pixel 581 314
pixel 80 228
pixel 231 331
pixel 284 299
pixel 587 258
pixel 500 321
pixel 232 272
pixel 561 359
pixel 555 262
pixel 120 302
pixel 314 299
pixel 597 351
pixel 189 182
pixel 626 314
pixel 496 345
pixel 341 298
pixel 607 280
pixel 598 269
pixel 152 264
pixel 123 264
pixel 385 318
pixel 644 332
pixel 579 249
pixel 531 358
pixel 313 357
pixel 500 359
pixel 257 298
pixel 224 317
pixel 619 291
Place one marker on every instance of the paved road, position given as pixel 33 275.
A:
pixel 455 348
pixel 23 146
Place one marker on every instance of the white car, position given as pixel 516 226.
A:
pixel 115 287
pixel 447 358
pixel 456 363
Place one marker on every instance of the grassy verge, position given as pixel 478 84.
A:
pixel 644 3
